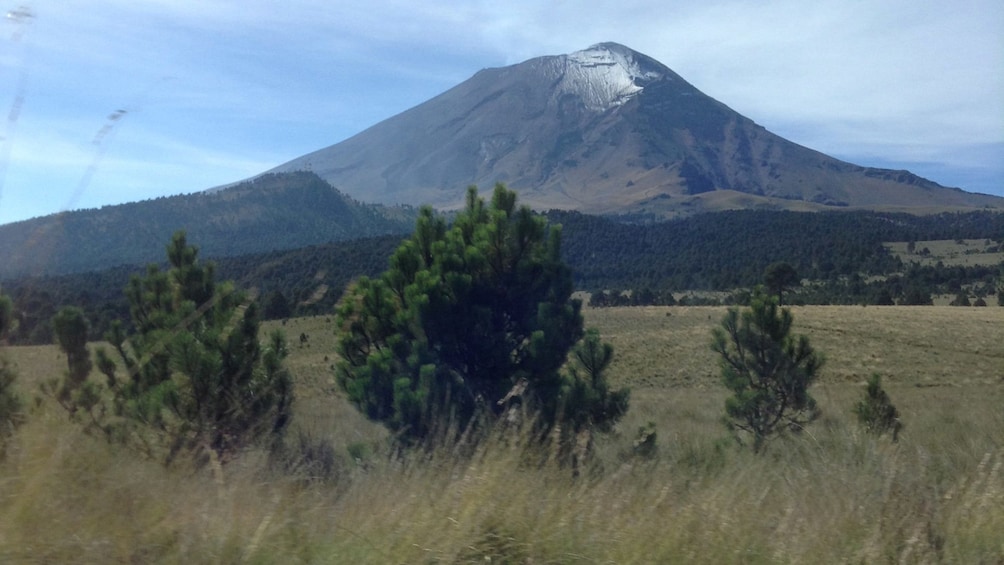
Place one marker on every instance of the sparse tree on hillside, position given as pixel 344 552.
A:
pixel 916 296
pixel 6 317
pixel 197 379
pixel 768 370
pixel 276 306
pixel 779 277
pixel 884 298
pixel 466 317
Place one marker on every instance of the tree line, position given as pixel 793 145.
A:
pixel 841 253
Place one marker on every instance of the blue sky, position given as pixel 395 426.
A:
pixel 112 101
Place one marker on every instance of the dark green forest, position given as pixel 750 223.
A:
pixel 840 252
pixel 727 250
pixel 271 212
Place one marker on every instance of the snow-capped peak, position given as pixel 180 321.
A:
pixel 605 75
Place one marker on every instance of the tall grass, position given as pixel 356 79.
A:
pixel 832 494
pixel 836 495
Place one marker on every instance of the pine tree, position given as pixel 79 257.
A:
pixel 768 370
pixel 465 319
pixel 12 412
pixel 586 403
pixel 778 277
pixel 916 295
pixel 197 379
pixel 875 412
pixel 70 328
pixel 276 306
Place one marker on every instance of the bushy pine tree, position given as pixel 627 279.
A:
pixel 465 319
pixel 196 379
pixel 768 370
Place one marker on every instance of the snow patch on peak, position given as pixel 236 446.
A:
pixel 604 76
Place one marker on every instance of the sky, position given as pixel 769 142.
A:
pixel 111 101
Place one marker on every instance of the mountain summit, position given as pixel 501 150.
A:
pixel 604 130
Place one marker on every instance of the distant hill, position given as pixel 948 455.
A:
pixel 271 212
pixel 606 130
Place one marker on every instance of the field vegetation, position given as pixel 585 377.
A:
pixel 831 494
pixel 948 252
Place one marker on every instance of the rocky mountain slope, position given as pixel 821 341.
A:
pixel 605 130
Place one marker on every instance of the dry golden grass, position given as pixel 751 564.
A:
pixel 967 252
pixel 662 346
pixel 830 495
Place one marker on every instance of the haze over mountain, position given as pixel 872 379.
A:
pixel 604 130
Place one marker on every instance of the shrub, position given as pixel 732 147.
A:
pixel 875 412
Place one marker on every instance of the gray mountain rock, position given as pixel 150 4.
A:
pixel 604 130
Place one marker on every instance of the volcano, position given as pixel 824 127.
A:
pixel 605 130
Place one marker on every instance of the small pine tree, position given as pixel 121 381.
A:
pixel 70 327
pixel 768 370
pixel 197 379
pixel 11 406
pixel 875 411
pixel 586 403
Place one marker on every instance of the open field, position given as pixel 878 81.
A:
pixel 923 346
pixel 965 252
pixel 831 495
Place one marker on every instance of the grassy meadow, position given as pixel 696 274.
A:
pixel 830 495
pixel 951 253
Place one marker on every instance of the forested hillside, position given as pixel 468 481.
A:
pixel 731 249
pixel 309 280
pixel 272 212
pixel 841 252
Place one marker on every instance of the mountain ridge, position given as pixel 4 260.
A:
pixel 270 212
